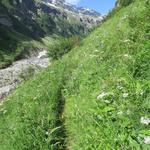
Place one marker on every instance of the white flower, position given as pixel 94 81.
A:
pixel 4 112
pixel 120 113
pixel 125 95
pixel 91 56
pixel 96 50
pixel 119 87
pixel 128 112
pixel 126 41
pixel 99 117
pixel 147 140
pixel 142 92
pixel 124 17
pixel 100 96
pixel 2 109
pixel 145 120
pixel 107 101
pixel 126 55
pixel 47 133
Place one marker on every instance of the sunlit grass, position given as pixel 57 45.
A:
pixel 95 97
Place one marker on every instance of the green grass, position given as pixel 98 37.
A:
pixel 39 124
pixel 91 99
pixel 61 46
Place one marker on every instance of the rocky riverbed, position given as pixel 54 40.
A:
pixel 10 77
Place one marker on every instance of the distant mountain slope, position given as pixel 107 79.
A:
pixel 90 17
pixel 22 20
pixel 87 17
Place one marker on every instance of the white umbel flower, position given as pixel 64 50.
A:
pixel 125 95
pixel 47 133
pixel 100 96
pixel 147 140
pixel 119 87
pixel 145 120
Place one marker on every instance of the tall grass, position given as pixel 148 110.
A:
pixel 62 46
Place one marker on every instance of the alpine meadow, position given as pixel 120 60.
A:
pixel 94 94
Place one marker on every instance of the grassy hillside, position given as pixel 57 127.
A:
pixel 92 98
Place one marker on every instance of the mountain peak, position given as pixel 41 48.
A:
pixel 70 7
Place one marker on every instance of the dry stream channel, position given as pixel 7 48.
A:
pixel 10 77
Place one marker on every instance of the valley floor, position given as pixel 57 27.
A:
pixel 20 70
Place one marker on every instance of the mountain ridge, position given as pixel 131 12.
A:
pixel 83 10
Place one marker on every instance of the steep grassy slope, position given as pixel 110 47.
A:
pixel 93 98
pixel 109 92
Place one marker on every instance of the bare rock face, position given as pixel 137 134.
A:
pixel 86 16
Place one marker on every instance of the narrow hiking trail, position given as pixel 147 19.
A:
pixel 10 77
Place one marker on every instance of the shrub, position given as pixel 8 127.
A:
pixel 141 66
pixel 124 3
pixel 1 55
pixel 26 75
pixel 62 46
